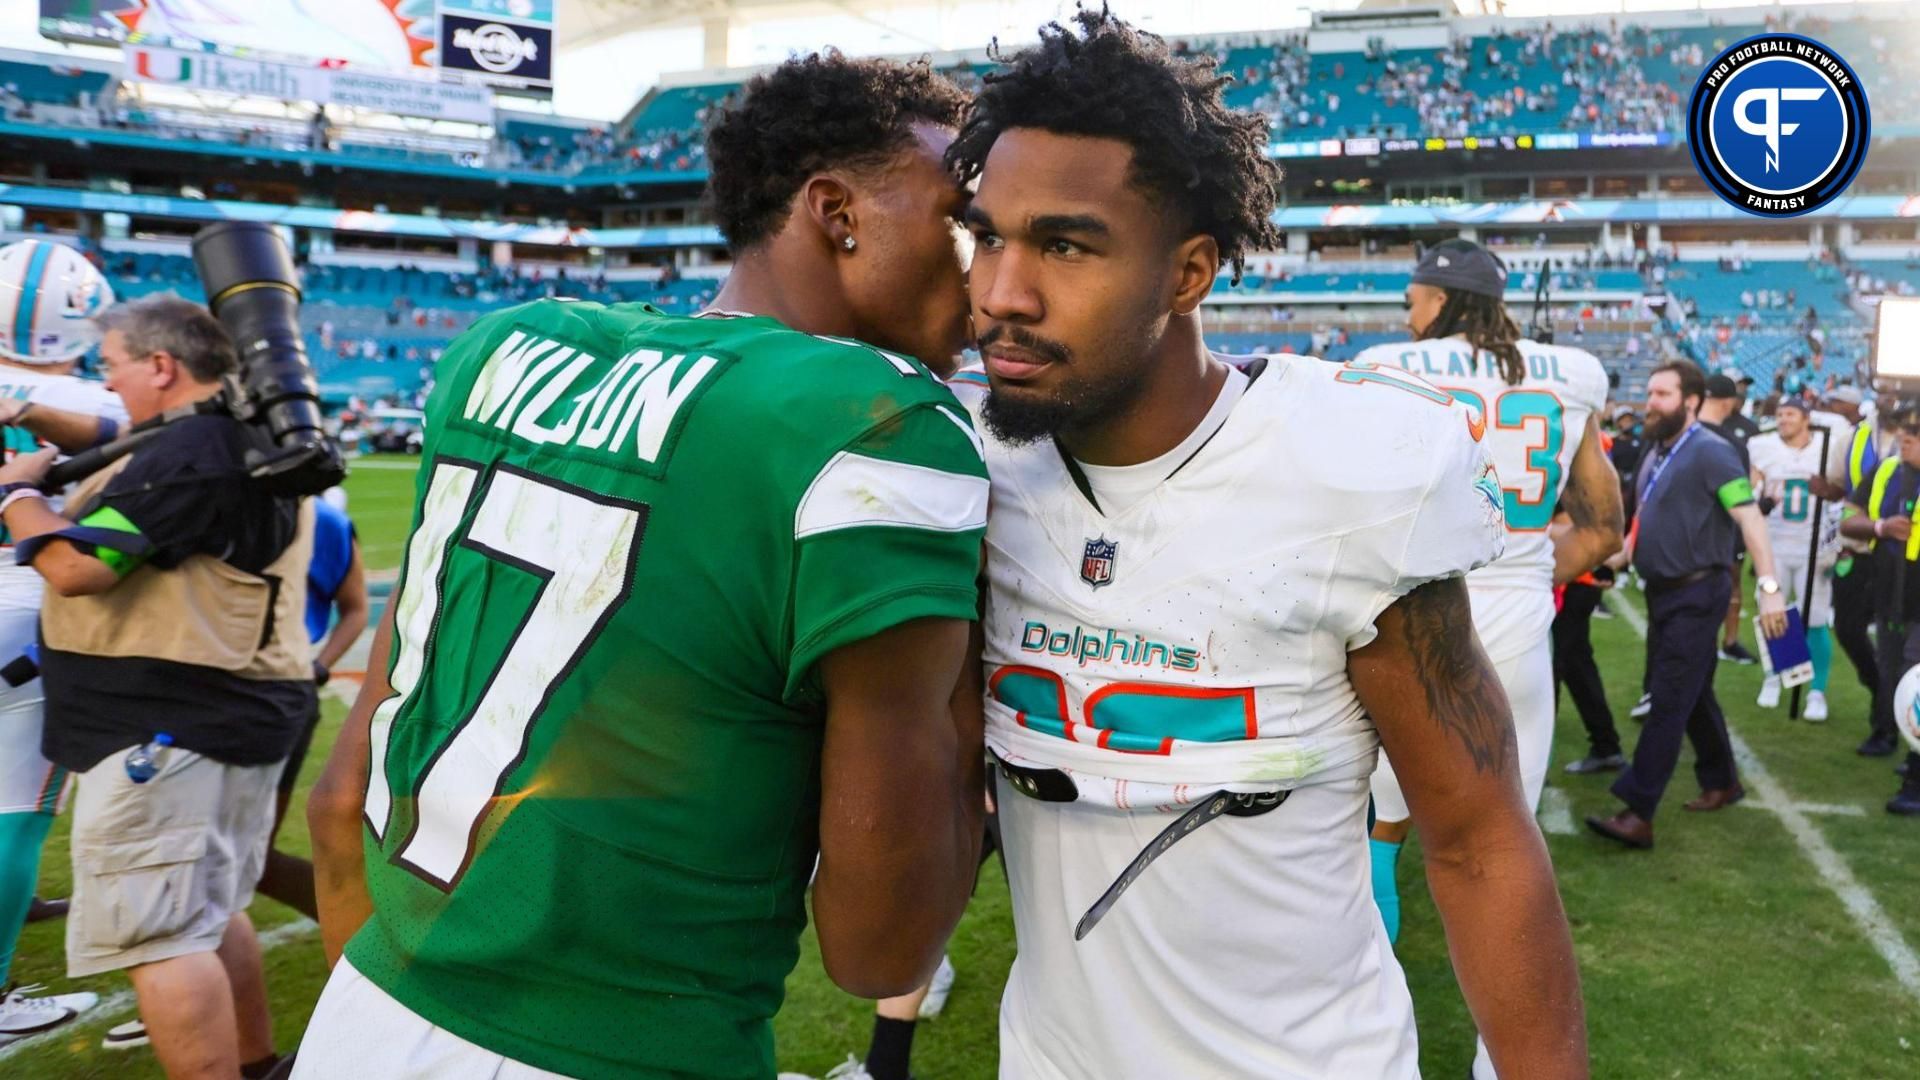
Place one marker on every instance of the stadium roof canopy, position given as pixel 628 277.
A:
pixel 583 23
pixel 744 33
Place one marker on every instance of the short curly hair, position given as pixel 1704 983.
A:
pixel 1115 81
pixel 811 113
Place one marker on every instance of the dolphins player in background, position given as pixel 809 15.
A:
pixel 1202 626
pixel 1792 479
pixel 1540 406
pixel 48 295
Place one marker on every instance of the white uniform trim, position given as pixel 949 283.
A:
pixel 854 491
pixel 359 1029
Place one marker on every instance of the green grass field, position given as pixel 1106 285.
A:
pixel 1722 953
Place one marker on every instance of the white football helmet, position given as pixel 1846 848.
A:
pixel 49 294
pixel 1906 707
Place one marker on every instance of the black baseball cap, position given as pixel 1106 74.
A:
pixel 1719 386
pixel 1462 266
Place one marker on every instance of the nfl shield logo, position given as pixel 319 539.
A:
pixel 1096 564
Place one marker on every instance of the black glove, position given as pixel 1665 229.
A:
pixel 1766 503
pixel 320 674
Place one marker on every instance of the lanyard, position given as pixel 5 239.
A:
pixel 1660 464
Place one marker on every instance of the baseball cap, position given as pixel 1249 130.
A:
pixel 1792 401
pixel 1720 386
pixel 1464 266
pixel 1846 395
pixel 1736 374
pixel 1624 410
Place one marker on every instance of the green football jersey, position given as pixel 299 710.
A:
pixel 594 796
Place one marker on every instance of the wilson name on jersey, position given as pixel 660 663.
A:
pixel 1198 639
pixel 593 803
pixel 1533 430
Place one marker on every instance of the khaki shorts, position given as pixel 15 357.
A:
pixel 159 867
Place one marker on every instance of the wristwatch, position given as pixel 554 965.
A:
pixel 1768 586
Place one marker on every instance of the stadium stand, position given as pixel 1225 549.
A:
pixel 1525 79
pixel 369 307
pixel 49 84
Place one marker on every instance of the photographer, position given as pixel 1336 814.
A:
pixel 173 609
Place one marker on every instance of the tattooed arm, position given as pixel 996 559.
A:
pixel 1592 503
pixel 1445 724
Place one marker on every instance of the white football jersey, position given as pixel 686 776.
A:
pixel 1785 472
pixel 1197 640
pixel 20 586
pixel 1533 428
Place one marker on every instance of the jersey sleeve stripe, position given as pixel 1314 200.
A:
pixel 965 429
pixel 855 491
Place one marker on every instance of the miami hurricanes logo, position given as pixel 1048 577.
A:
pixel 143 62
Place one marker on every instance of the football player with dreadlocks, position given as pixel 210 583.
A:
pixel 1539 405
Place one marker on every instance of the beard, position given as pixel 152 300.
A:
pixel 1023 415
pixel 1662 426
pixel 1019 417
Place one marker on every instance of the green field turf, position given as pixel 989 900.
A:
pixel 1722 953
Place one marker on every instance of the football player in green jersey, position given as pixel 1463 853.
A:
pixel 687 601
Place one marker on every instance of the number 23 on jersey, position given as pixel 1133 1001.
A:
pixel 1529 503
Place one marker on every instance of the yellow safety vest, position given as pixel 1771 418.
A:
pixel 1857 454
pixel 1882 479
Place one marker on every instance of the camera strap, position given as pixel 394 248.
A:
pixel 84 537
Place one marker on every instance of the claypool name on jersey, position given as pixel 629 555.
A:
pixel 1458 362
pixel 1090 645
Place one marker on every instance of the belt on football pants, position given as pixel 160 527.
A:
pixel 1052 785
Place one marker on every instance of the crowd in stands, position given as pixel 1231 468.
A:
pixel 1525 80
pixel 553 149
pixel 1796 326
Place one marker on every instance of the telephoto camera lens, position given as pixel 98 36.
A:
pixel 253 289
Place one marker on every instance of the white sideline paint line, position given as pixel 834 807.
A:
pixel 1627 611
pixel 1866 911
pixel 121 1001
pixel 1818 808
pixel 1556 813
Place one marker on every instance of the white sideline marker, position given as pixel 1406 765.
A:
pixel 1556 813
pixel 113 1005
pixel 1866 911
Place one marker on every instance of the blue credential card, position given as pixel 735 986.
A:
pixel 1787 655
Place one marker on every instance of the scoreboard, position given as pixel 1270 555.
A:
pixel 504 43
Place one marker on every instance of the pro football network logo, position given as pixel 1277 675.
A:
pixel 1778 125
pixel 1096 562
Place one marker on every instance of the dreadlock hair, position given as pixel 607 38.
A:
pixel 1487 327
pixel 1191 152
pixel 814 112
